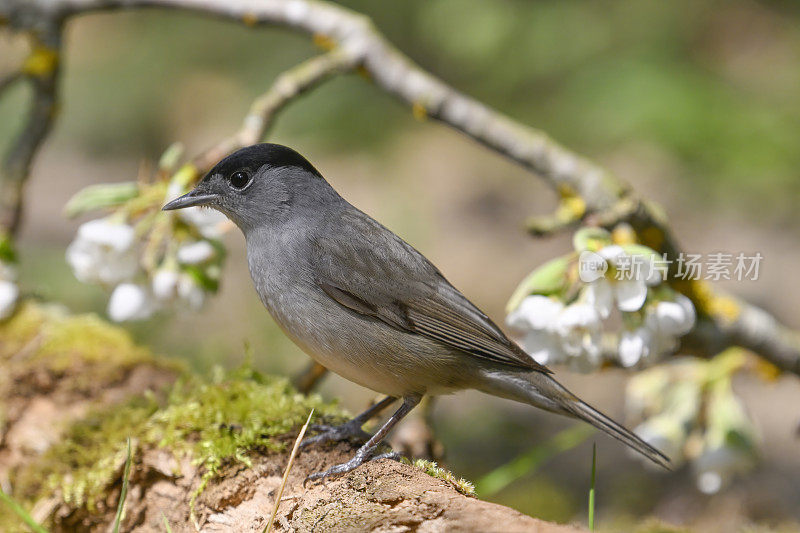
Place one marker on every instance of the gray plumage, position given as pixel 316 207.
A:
pixel 364 303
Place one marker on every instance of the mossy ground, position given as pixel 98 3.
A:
pixel 214 421
pixel 46 339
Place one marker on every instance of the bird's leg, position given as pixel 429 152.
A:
pixel 365 452
pixel 348 430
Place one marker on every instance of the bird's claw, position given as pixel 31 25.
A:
pixel 347 431
pixel 350 465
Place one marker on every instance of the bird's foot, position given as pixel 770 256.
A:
pixel 359 459
pixel 348 431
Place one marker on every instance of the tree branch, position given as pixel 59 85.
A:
pixel 605 197
pixel 41 70
pixel 288 86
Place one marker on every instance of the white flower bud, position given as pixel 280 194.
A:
pixel 534 313
pixel 674 318
pixel 165 284
pixel 130 302
pixel 195 253
pixel 578 315
pixel 9 293
pixel 190 292
pixel 634 346
pixel 210 223
pixel 103 252
pixel 630 294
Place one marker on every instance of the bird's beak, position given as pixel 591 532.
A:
pixel 192 198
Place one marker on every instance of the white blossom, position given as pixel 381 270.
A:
pixel 130 301
pixel 209 222
pixel 580 329
pixel 544 347
pixel 536 318
pixel 194 253
pixel 534 312
pixel 103 252
pixel 9 293
pixel 189 292
pixel 165 284
pixel 635 346
pixel 674 318
pixel 602 291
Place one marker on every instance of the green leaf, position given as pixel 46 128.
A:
pixel 591 238
pixel 550 278
pixel 201 277
pixel 8 252
pixel 101 196
pixel 640 249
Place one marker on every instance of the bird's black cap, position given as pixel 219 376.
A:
pixel 255 156
pixel 249 159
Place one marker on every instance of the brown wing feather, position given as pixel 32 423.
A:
pixel 382 276
pixel 442 323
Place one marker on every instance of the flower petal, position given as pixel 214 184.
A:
pixel 9 293
pixel 535 312
pixel 612 253
pixel 104 232
pixel 673 318
pixel 130 301
pixel 600 295
pixel 630 294
pixel 634 346
pixel 577 315
pixel 543 347
pixel 165 284
pixel 195 253
pixel 190 292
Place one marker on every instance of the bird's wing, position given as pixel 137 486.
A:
pixel 381 276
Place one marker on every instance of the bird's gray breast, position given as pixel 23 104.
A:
pixel 357 347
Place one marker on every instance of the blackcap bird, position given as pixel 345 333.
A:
pixel 365 304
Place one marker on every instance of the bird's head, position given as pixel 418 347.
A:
pixel 259 184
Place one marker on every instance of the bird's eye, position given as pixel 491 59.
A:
pixel 239 180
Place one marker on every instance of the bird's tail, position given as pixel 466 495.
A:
pixel 541 390
pixel 579 409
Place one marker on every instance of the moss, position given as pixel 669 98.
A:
pixel 432 469
pixel 215 421
pixel 44 339
pixel 230 416
pixel 22 327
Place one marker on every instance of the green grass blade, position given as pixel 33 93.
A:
pixel 166 523
pixel 530 461
pixel 591 489
pixel 21 513
pixel 124 493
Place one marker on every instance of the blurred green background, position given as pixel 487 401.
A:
pixel 695 102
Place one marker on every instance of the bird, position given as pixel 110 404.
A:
pixel 368 306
